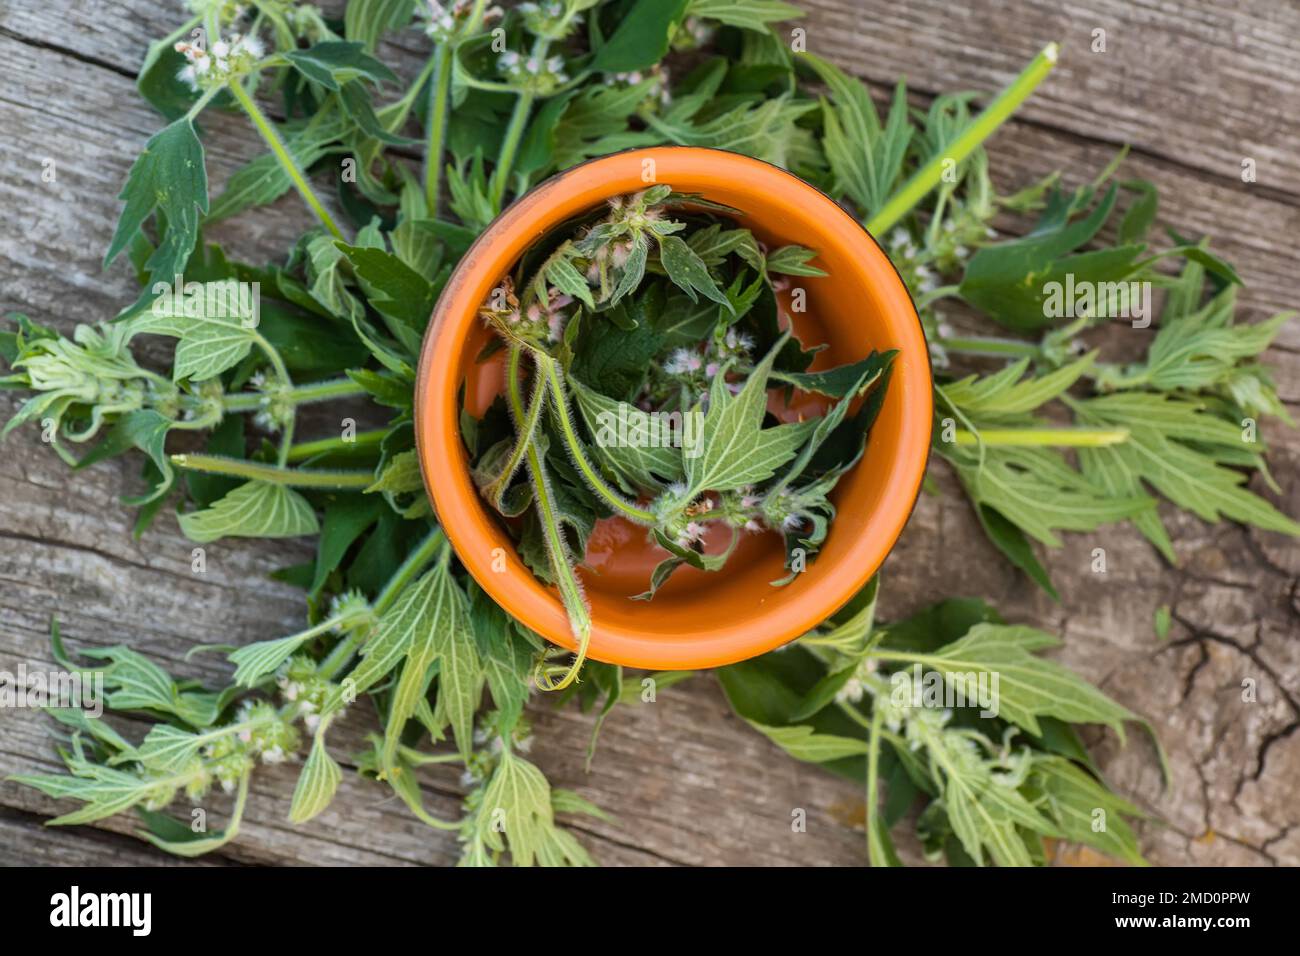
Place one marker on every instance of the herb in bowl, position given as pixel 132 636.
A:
pixel 652 375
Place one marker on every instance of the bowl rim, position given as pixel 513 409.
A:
pixel 458 506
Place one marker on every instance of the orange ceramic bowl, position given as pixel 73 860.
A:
pixel 698 619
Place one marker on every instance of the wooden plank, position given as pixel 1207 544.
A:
pixel 1199 85
pixel 1170 72
pixel 685 780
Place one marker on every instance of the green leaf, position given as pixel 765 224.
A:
pixel 613 361
pixel 262 658
pixel 317 784
pixel 331 63
pixel 1028 686
pixel 642 37
pixel 688 272
pixel 401 475
pixel 460 674
pixel 839 381
pixel 506 659
pixel 867 159
pixel 639 456
pixel 146 430
pixel 263 179
pixel 804 743
pixel 1186 476
pixel 256 509
pixel 168 177
pixel 365 21
pixel 159 83
pixel 1037 490
pixel 735 450
pixel 769 131
pixel 215 322
pixel 794 261
pixel 1011 541
pixel 1006 280
pixel 346 519
pixel 1073 800
pixel 396 290
pixel 993 397
pixel 745 14
pixel 1162 621
pixel 516 807
pixel 1138 217
pixel 185 842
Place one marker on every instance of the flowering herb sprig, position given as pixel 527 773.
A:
pixel 662 304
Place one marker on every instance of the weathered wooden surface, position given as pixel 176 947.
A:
pixel 1195 88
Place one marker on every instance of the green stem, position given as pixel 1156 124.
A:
pixel 875 851
pixel 560 402
pixel 438 97
pixel 525 429
pixel 282 373
pixel 297 477
pixel 434 544
pixel 985 345
pixel 927 299
pixel 514 133
pixel 201 102
pixel 1040 437
pixel 282 154
pixel 557 549
pixel 326 446
pixel 297 394
pixel 340 655
pixel 931 174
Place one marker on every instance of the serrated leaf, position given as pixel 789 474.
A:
pixel 256 509
pixel 637 455
pixel 516 809
pixel 1005 393
pixel 793 261
pixel 1072 798
pixel 1189 478
pixel 169 177
pixel 1037 490
pixel 317 784
pixel 804 743
pixel 1027 686
pixel 688 272
pixel 866 157
pixel 745 14
pixel 402 475
pixel 642 36
pixel 331 63
pixel 735 450
pixel 216 325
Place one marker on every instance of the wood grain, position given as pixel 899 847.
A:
pixel 685 781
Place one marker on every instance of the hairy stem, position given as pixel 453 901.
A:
pixel 326 446
pixel 557 549
pixel 282 154
pixel 437 127
pixel 875 850
pixel 514 134
pixel 297 394
pixel 297 477
pixel 1040 437
pixel 550 368
pixel 931 174
pixel 987 345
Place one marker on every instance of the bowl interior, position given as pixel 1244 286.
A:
pixel 698 619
